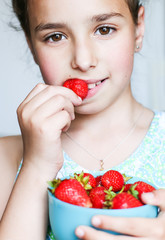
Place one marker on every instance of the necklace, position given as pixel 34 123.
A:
pixel 101 161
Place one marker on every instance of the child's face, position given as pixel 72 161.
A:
pixel 92 40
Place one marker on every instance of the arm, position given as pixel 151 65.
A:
pixel 43 115
pixel 10 158
pixel 136 228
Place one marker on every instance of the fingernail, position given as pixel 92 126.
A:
pixel 80 99
pixel 73 116
pixel 79 232
pixel 148 197
pixel 96 221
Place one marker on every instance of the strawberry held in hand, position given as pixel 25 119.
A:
pixel 80 87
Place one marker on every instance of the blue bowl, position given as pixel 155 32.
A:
pixel 65 218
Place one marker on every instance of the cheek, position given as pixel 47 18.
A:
pixel 121 55
pixel 50 69
pixel 122 59
pixel 125 63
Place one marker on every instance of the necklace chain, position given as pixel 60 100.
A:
pixel 115 148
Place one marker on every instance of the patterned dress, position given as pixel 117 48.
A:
pixel 147 162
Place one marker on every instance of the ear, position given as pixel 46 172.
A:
pixel 30 45
pixel 139 32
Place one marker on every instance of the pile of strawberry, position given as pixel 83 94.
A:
pixel 107 191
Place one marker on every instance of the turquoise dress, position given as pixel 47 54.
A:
pixel 147 162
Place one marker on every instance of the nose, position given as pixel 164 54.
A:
pixel 84 56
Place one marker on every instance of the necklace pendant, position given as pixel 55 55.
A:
pixel 101 165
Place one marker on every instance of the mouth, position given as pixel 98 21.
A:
pixel 93 85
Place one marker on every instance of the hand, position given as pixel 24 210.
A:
pixel 43 115
pixel 136 228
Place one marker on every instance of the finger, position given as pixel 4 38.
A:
pixel 51 107
pixel 37 89
pixel 155 198
pixel 51 126
pixel 140 227
pixel 29 106
pixel 89 233
pixel 43 92
pixel 58 122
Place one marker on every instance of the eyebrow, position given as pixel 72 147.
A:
pixel 96 18
pixel 42 27
pixel 104 17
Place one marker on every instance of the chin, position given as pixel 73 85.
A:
pixel 89 109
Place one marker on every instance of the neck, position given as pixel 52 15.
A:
pixel 111 118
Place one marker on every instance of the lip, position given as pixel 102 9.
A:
pixel 89 81
pixel 96 89
pixel 92 91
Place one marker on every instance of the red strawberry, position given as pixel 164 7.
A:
pixel 142 187
pixel 97 196
pixel 114 179
pixel 125 200
pixel 127 187
pixel 87 180
pixel 98 180
pixel 80 87
pixel 71 191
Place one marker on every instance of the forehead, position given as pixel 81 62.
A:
pixel 68 10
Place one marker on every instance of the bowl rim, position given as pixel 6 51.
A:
pixel 58 201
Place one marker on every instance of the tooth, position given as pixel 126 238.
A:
pixel 98 83
pixel 91 85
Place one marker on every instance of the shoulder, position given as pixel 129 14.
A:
pixel 155 138
pixel 161 118
pixel 11 149
pixel 159 121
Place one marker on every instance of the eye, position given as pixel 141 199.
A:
pixel 55 37
pixel 105 30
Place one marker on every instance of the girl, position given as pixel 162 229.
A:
pixel 62 134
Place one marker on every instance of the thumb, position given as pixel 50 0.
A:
pixel 155 198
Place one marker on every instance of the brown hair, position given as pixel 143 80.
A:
pixel 134 6
pixel 21 10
